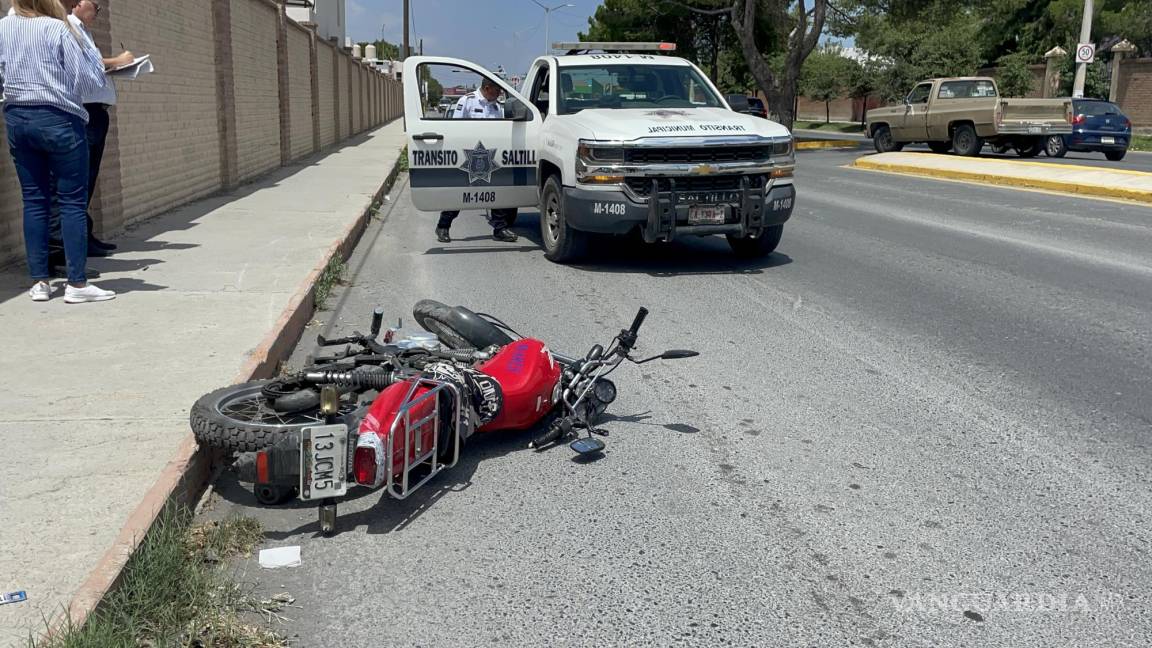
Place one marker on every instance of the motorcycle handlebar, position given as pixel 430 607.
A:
pixel 636 323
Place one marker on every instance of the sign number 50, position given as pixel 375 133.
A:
pixel 1085 53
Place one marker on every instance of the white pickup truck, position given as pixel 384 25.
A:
pixel 619 142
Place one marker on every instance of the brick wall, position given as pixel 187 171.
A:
pixel 1134 93
pixel 210 115
pixel 300 89
pixel 343 64
pixel 325 63
pixel 256 88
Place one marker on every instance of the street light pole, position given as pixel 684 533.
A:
pixel 547 17
pixel 1085 37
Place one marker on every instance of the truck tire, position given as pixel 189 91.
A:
pixel 457 327
pixel 1115 156
pixel 882 140
pixel 763 245
pixel 940 147
pixel 1055 147
pixel 231 418
pixel 966 142
pixel 561 243
pixel 1030 149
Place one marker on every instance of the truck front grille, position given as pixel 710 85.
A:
pixel 755 153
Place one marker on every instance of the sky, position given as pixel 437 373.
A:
pixel 487 32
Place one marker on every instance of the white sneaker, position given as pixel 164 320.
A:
pixel 89 293
pixel 41 291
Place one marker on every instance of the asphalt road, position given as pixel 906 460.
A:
pixel 1134 161
pixel 924 421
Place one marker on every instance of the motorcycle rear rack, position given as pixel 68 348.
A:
pixel 424 457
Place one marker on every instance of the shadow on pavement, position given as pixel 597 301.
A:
pixel 708 255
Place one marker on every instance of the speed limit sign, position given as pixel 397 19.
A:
pixel 1085 53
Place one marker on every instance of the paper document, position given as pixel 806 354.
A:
pixel 142 65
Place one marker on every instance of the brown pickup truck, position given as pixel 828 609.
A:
pixel 962 114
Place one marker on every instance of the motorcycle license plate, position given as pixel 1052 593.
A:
pixel 323 462
pixel 706 215
pixel 1107 140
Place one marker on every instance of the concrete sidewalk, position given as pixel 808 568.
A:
pixel 94 398
pixel 1067 178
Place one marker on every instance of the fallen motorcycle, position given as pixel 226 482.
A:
pixel 392 413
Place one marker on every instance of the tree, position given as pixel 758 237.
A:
pixel 385 51
pixel 827 75
pixel 780 84
pixel 1013 76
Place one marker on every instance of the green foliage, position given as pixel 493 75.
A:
pixel 1095 78
pixel 827 75
pixel 384 50
pixel 1013 76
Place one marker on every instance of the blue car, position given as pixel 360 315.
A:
pixel 1097 126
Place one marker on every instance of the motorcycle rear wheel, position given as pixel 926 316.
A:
pixel 457 327
pixel 239 418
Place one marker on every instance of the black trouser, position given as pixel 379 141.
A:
pixel 498 218
pixel 97 133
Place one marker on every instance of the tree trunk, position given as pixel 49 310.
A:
pixel 781 92
pixel 715 48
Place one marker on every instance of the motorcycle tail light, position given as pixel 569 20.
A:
pixel 364 466
pixel 262 476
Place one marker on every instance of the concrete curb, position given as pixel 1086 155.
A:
pixel 828 144
pixel 1061 186
pixel 185 476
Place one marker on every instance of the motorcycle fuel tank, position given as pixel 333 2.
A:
pixel 528 375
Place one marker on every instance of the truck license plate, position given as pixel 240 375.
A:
pixel 706 215
pixel 323 461
pixel 1035 130
pixel 1107 140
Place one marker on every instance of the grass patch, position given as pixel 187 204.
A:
pixel 333 274
pixel 402 163
pixel 837 127
pixel 1140 143
pixel 175 592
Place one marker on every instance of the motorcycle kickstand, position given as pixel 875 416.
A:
pixel 327 516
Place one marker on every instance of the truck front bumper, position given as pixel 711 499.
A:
pixel 665 216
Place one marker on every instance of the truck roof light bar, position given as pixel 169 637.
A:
pixel 614 46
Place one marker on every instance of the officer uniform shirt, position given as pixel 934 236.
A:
pixel 474 106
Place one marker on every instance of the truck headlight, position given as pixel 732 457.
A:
pixel 594 153
pixel 782 148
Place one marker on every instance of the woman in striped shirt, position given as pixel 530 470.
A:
pixel 46 70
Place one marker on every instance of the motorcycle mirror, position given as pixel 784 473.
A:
pixel 676 354
pixel 594 353
pixel 587 446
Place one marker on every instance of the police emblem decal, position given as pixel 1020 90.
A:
pixel 479 164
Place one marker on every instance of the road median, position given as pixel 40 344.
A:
pixel 1097 182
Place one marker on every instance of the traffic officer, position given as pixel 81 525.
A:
pixel 480 104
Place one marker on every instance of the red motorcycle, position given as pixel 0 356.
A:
pixel 392 414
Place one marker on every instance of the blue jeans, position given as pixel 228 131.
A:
pixel 49 144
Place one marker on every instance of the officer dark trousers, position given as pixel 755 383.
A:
pixel 498 218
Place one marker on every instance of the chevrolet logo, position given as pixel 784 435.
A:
pixel 704 169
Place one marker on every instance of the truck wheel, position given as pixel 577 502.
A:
pixel 1030 149
pixel 761 246
pixel 561 243
pixel 966 142
pixel 940 147
pixel 1115 156
pixel 882 140
pixel 1055 147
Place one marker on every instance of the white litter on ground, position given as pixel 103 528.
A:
pixel 280 557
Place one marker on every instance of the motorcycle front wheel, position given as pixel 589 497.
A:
pixel 240 418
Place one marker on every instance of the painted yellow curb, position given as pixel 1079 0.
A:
pixel 826 144
pixel 1138 195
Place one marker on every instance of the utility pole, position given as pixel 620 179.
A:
pixel 421 47
pixel 1085 37
pixel 404 54
pixel 547 17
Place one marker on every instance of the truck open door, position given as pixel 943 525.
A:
pixel 458 162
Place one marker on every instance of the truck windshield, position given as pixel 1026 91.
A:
pixel 632 86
